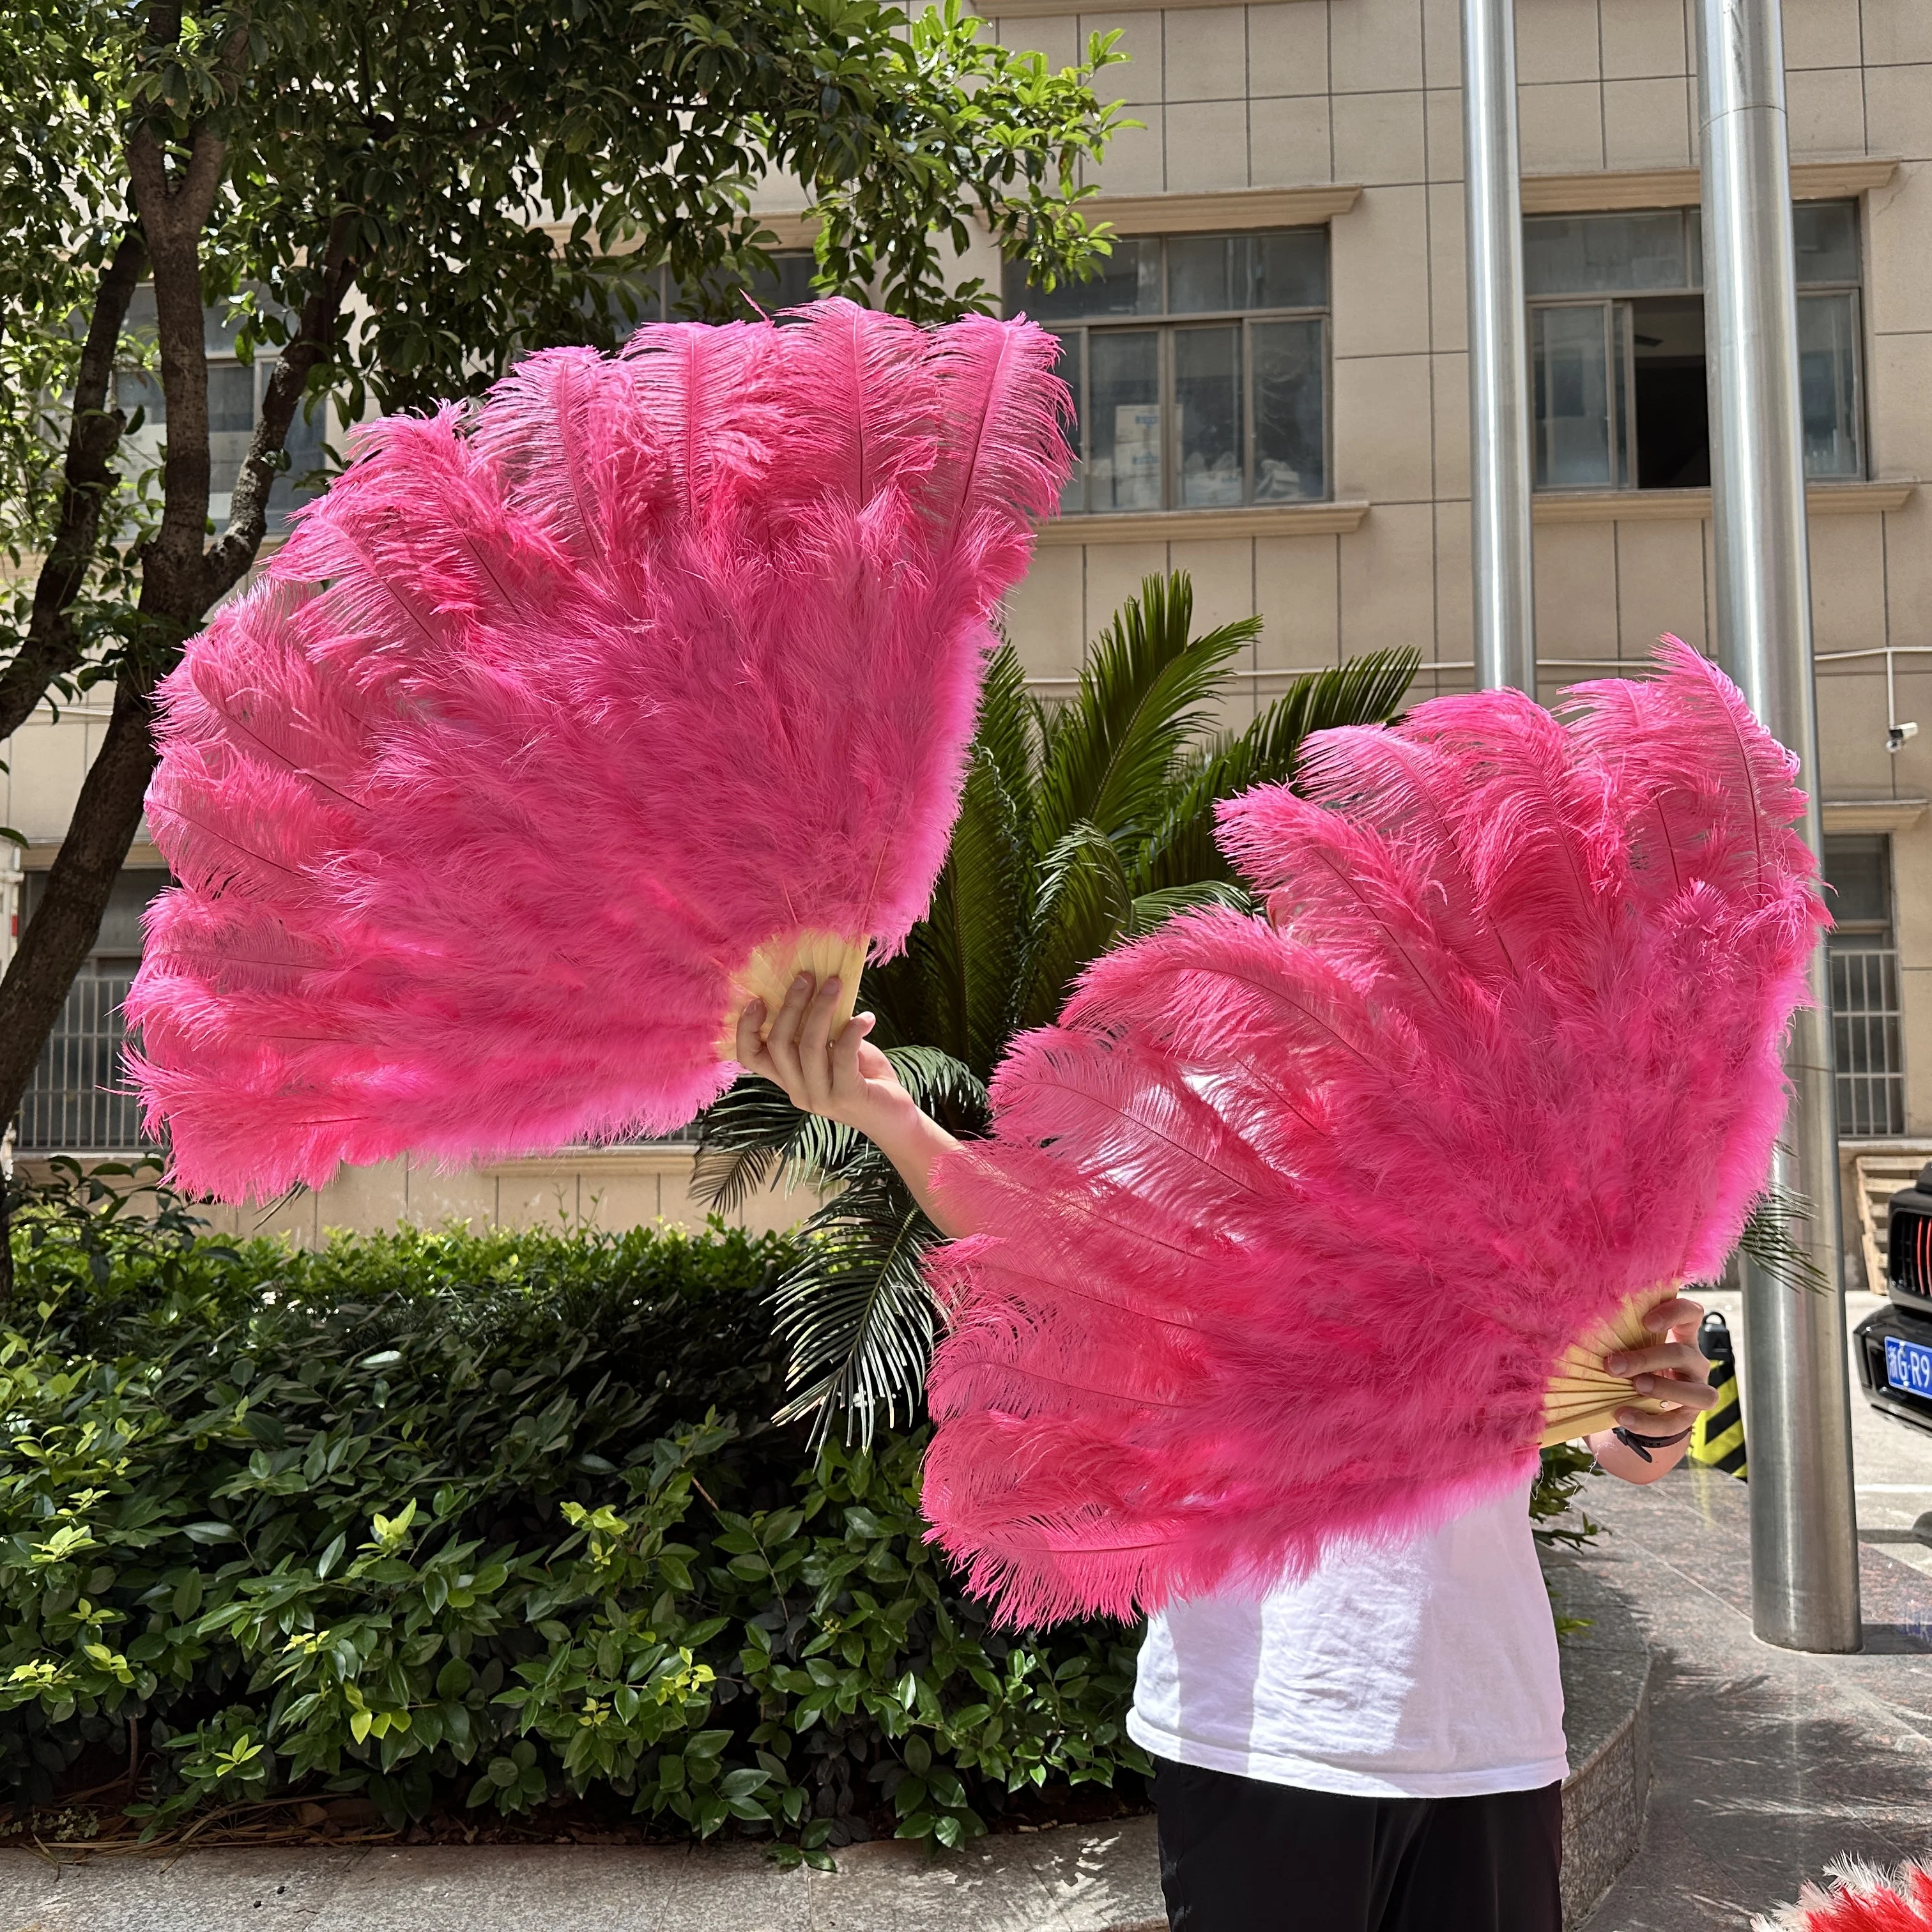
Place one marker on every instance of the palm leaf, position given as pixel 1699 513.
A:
pixel 1367 690
pixel 1772 1242
pixel 1086 902
pixel 752 1134
pixel 1146 691
pixel 856 1313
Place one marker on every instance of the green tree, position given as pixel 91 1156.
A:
pixel 395 201
pixel 1080 825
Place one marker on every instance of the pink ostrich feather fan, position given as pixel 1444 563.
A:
pixel 1859 1898
pixel 567 722
pixel 1286 1226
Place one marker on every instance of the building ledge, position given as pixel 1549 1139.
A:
pixel 1233 209
pixel 1681 188
pixel 1870 815
pixel 1654 506
pixel 610 1163
pixel 1256 519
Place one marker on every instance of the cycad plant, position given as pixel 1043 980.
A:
pixel 1081 825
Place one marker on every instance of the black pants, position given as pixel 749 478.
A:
pixel 1239 1855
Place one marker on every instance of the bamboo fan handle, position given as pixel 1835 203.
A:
pixel 768 974
pixel 1583 1396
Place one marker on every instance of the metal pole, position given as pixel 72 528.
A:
pixel 1804 1572
pixel 1504 596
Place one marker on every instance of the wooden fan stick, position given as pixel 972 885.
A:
pixel 768 974
pixel 1583 1396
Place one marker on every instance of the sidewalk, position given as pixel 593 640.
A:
pixel 1769 1763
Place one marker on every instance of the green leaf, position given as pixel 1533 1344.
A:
pixel 855 1309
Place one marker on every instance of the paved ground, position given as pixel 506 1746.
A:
pixel 1065 1881
pixel 1767 1763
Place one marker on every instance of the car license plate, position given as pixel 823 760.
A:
pixel 1908 1366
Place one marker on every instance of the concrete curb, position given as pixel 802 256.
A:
pixel 1606 1687
pixel 1094 1879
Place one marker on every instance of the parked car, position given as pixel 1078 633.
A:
pixel 1893 1347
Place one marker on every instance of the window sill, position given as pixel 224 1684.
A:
pixel 1255 520
pixel 1655 506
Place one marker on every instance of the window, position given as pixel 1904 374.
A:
pixel 234 391
pixel 78 1100
pixel 643 298
pixel 1198 364
pixel 1617 347
pixel 1864 960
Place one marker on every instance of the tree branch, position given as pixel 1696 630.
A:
pixel 52 649
pixel 55 945
pixel 314 339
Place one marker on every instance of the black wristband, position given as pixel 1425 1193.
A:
pixel 1644 1444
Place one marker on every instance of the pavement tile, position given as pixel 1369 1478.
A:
pixel 252 1890
pixel 565 1888
pixel 893 1886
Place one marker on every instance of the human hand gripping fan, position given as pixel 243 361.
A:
pixel 1287 1230
pixel 566 724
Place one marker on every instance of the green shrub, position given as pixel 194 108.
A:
pixel 455 1519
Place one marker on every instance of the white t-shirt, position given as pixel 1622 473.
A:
pixel 1423 1670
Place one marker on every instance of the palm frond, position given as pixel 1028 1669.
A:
pixel 1007 734
pixel 1146 690
pixel 942 1086
pixel 1086 901
pixel 1150 909
pixel 952 987
pixel 1366 690
pixel 752 1133
pixel 855 1313
pixel 1772 1242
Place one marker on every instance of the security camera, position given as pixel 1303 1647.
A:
pixel 1896 736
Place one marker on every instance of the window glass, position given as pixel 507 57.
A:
pixel 1605 254
pixel 1828 383
pixel 1288 270
pixel 1125 432
pixel 1128 283
pixel 1825 237
pixel 1207 402
pixel 1289 452
pixel 1071 342
pixel 1857 874
pixel 1571 367
pixel 1203 273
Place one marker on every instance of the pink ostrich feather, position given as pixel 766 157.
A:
pixel 1284 1225
pixel 554 711
pixel 1859 1898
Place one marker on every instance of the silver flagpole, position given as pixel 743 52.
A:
pixel 1505 611
pixel 1804 1572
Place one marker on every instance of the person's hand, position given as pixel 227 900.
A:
pixel 843 1077
pixel 1671 1369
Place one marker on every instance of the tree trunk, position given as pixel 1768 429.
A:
pixel 51 648
pixel 55 945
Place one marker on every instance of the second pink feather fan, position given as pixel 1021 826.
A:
pixel 566 723
pixel 1288 1225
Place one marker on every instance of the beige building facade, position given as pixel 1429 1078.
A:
pixel 1273 379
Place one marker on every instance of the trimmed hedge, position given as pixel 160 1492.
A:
pixel 448 1519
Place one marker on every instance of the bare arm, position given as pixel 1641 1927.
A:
pixel 847 1079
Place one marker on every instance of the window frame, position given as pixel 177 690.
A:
pixel 1624 452
pixel 1166 324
